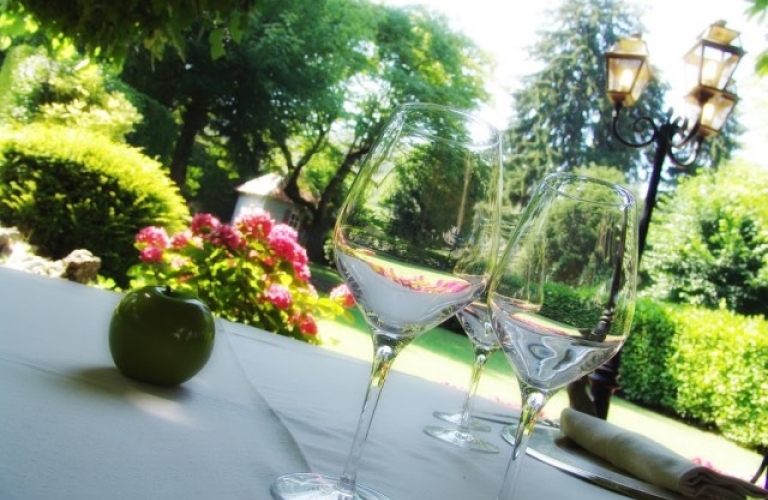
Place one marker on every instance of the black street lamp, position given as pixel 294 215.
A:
pixel 711 64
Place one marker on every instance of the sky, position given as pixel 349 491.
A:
pixel 506 28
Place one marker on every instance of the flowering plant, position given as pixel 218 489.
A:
pixel 253 271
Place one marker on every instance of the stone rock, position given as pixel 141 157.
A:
pixel 81 266
pixel 9 236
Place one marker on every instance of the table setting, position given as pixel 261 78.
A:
pixel 259 415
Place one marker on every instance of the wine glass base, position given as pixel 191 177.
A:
pixel 508 433
pixel 455 419
pixel 309 486
pixel 461 439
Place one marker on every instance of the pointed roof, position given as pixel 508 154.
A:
pixel 268 185
pixel 272 185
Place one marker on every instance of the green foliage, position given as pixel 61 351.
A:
pixel 647 356
pixel 66 189
pixel 721 370
pixel 708 366
pixel 709 241
pixel 212 182
pixel 571 306
pixel 156 132
pixel 758 10
pixel 108 29
pixel 66 90
pixel 562 119
pixel 253 272
pixel 306 91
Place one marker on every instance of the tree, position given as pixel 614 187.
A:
pixel 285 74
pixel 307 89
pixel 757 10
pixel 416 57
pixel 107 29
pixel 561 117
pixel 63 88
pixel 710 246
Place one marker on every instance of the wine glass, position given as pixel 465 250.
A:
pixel 405 244
pixel 476 324
pixel 475 321
pixel 562 297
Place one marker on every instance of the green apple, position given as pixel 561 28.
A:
pixel 161 336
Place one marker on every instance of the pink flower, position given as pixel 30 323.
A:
pixel 283 240
pixel 178 262
pixel 302 271
pixel 227 236
pixel 180 240
pixel 153 236
pixel 203 224
pixel 307 324
pixel 151 254
pixel 342 294
pixel 254 222
pixel 279 296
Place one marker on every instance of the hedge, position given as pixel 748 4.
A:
pixel 67 189
pixel 706 367
pixel 709 367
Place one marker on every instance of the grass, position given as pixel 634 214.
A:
pixel 445 357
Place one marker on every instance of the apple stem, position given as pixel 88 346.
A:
pixel 168 289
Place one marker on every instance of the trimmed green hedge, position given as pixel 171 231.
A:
pixel 66 189
pixel 709 367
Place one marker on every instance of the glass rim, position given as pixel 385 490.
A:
pixel 555 181
pixel 494 134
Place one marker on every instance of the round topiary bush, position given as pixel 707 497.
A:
pixel 66 189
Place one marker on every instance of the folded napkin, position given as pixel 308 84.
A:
pixel 649 461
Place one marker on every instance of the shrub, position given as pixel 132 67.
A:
pixel 708 366
pixel 63 89
pixel 253 272
pixel 721 370
pixel 67 189
pixel 647 356
pixel 709 242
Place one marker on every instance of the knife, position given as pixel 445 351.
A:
pixel 507 419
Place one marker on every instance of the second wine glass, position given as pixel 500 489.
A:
pixel 476 323
pixel 403 243
pixel 562 297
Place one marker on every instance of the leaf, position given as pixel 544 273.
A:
pixel 216 39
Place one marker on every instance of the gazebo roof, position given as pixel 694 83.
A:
pixel 272 185
pixel 268 185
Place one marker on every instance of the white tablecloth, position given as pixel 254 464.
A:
pixel 71 426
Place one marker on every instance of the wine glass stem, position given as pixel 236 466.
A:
pixel 481 357
pixel 533 402
pixel 383 357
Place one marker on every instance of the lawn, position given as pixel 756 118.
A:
pixel 445 357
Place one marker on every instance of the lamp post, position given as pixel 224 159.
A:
pixel 711 62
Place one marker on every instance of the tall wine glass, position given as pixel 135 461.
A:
pixel 476 323
pixel 562 298
pixel 405 243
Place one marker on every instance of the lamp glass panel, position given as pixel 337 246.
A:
pixel 622 73
pixel 716 111
pixel 643 77
pixel 717 67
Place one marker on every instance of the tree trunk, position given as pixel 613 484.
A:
pixel 193 120
pixel 323 216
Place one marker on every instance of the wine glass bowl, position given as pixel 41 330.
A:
pixel 405 243
pixel 562 297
